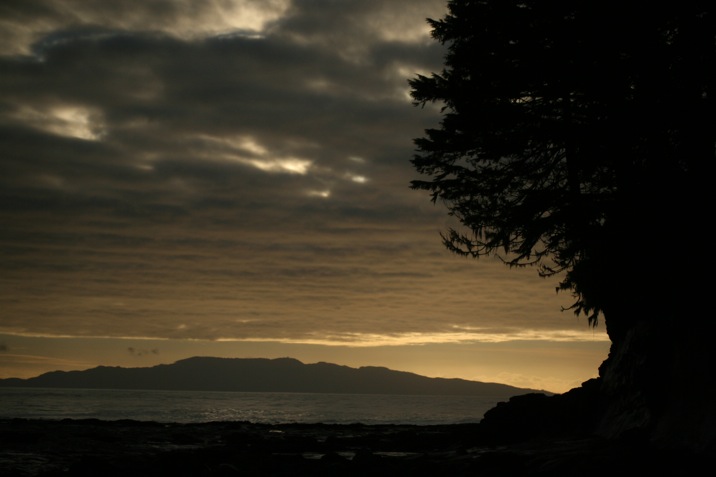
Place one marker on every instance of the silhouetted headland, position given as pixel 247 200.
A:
pixel 265 375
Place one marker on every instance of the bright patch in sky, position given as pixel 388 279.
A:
pixel 360 340
pixel 358 179
pixel 289 165
pixel 68 121
pixel 248 150
pixel 319 193
pixel 181 19
pixel 228 15
pixel 245 143
pixel 235 144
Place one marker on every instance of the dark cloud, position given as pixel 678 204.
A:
pixel 142 351
pixel 229 170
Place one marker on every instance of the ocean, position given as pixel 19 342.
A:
pixel 256 407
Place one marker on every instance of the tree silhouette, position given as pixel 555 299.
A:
pixel 579 137
pixel 574 137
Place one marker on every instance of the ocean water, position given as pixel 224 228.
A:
pixel 257 407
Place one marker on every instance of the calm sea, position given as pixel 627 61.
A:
pixel 271 408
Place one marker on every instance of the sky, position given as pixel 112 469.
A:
pixel 232 178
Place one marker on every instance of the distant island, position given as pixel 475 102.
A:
pixel 265 375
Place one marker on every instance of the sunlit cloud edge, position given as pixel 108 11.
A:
pixel 367 340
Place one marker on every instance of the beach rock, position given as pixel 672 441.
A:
pixel 538 416
pixel 47 448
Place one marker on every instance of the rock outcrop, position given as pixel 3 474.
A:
pixel 657 386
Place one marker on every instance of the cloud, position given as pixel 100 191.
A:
pixel 39 23
pixel 232 170
pixel 142 351
pixel 358 26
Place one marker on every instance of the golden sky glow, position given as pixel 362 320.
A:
pixel 231 178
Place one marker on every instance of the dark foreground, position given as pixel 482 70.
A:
pixel 124 448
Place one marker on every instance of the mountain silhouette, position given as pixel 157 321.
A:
pixel 265 375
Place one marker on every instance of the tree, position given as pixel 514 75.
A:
pixel 578 137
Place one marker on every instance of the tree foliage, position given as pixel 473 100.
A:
pixel 575 136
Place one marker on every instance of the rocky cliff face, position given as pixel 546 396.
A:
pixel 657 387
pixel 659 380
pixel 622 378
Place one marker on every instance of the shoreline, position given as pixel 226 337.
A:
pixel 78 447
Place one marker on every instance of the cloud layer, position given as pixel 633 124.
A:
pixel 231 170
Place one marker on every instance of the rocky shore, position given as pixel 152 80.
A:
pixel 122 448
